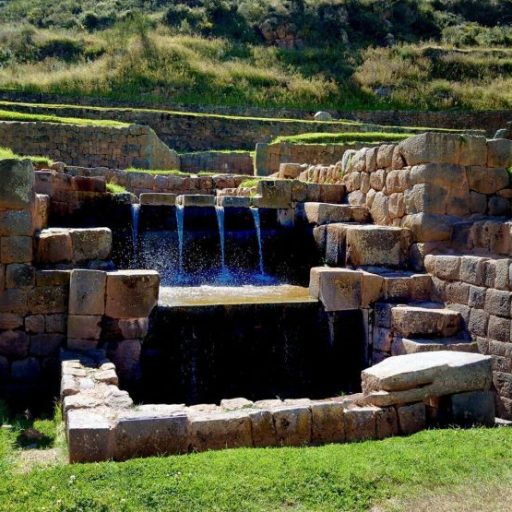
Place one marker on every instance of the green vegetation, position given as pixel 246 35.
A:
pixel 390 475
pixel 37 160
pixel 342 138
pixel 172 172
pixel 114 188
pixel 339 54
pixel 9 115
pixel 250 182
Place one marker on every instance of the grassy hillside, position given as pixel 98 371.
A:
pixel 306 54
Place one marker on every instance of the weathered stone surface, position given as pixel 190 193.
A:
pixel 126 357
pixel 10 321
pixel 138 436
pixel 90 436
pixel 361 423
pixel 487 181
pixel 48 299
pixel 53 277
pixel 19 275
pixel 54 246
pixel 411 418
pixel 131 293
pixel 157 199
pixel 498 302
pixel 15 249
pixel 429 227
pixel 430 147
pixel 324 213
pixel 263 428
pixel 17 190
pixel 338 289
pixel 328 423
pixel 87 292
pixel 473 150
pixel 375 245
pixel 14 343
pixel 43 345
pixel 16 223
pixel 386 423
pixel 84 327
pixel 34 324
pixel 233 404
pixel 91 243
pixel 473 408
pixel 414 377
pixel 421 321
pixel 293 425
pixel 499 153
pixel 217 431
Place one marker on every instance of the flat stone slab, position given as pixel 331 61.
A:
pixel 157 199
pixel 403 346
pixel 424 321
pixel 233 201
pixel 415 377
pixel 325 213
pixel 201 200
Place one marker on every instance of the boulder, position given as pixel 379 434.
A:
pixel 17 190
pixel 431 147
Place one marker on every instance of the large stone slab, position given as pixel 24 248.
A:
pixel 339 289
pixel 415 377
pixel 17 179
pixel 424 321
pixel 325 213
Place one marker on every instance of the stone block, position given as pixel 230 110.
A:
pixel 498 328
pixel 10 321
pixel 16 223
pixel 447 267
pixel 473 408
pixel 41 212
pixel 274 194
pixel 218 431
pixel 457 293
pixel 324 213
pixel 53 277
pixel 382 339
pixel 34 324
pixel 361 423
pixel 422 321
pixel 56 324
pixel 84 327
pixel 131 293
pixel 327 422
pixel 126 357
pixel 338 289
pixel 486 180
pixel 91 243
pixel 14 300
pixel 263 428
pixel 90 436
pixel 385 156
pixel 335 244
pixel 17 191
pixel 473 150
pixel 431 147
pixel 477 202
pixel 14 344
pixel 472 270
pixel 233 404
pixel 380 209
pixel 15 249
pixel 293 425
pixel 44 345
pixel 386 423
pixel 478 321
pixel 54 246
pixel 19 275
pixel 429 227
pixel 499 153
pixel 498 302
pixel 372 288
pixel 412 418
pixel 48 299
pixel 146 436
pixel 375 246
pixel 87 292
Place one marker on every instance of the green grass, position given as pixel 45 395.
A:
pixel 342 138
pixel 9 115
pixel 172 172
pixel 37 160
pixel 351 477
pixel 114 188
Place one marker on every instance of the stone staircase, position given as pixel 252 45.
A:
pixel 368 265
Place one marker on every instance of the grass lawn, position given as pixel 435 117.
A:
pixel 38 160
pixel 342 138
pixel 8 115
pixel 447 470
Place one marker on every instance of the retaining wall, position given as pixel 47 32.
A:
pixel 90 146
pixel 227 163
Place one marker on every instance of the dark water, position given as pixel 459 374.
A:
pixel 197 354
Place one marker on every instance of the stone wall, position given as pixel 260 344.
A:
pixel 90 146
pixel 270 156
pixel 216 161
pixel 431 181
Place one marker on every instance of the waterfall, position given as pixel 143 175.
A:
pixel 219 210
pixel 257 225
pixel 180 221
pixel 135 209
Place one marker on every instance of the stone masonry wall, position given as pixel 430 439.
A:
pixel 216 161
pixel 270 156
pixel 430 182
pixel 90 146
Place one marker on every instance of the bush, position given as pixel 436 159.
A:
pixel 66 49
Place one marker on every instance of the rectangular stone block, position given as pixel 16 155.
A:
pixel 15 249
pixel 498 302
pixel 10 321
pixel 41 212
pixel 14 344
pixel 16 223
pixel 158 199
pixel 338 289
pixel 140 436
pixel 361 423
pixel 473 408
pixel 131 293
pixel 48 299
pixel 91 244
pixel 293 425
pixel 87 292
pixel 327 422
pixel 386 423
pixel 53 277
pixel 56 323
pixel 263 428
pixel 34 324
pixel 412 418
pixel 84 327
pixel 54 246
pixel 14 300
pixel 17 190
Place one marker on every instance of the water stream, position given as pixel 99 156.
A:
pixel 180 221
pixel 220 221
pixel 135 228
pixel 257 225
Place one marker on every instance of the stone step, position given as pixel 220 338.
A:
pixel 363 245
pixel 401 346
pixel 326 213
pixel 425 320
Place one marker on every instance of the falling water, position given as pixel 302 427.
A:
pixel 135 228
pixel 257 225
pixel 220 221
pixel 180 221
